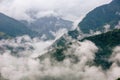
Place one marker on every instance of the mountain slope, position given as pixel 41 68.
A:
pixel 95 20
pixel 105 43
pixel 13 27
pixel 100 16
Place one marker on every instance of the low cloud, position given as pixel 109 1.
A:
pixel 26 66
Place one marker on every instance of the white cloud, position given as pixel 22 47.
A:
pixel 26 67
pixel 72 9
pixel 115 57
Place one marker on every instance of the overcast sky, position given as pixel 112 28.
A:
pixel 68 9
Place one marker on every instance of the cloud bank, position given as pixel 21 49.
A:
pixel 25 65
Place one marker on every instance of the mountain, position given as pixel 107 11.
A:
pixel 49 25
pixel 104 41
pixel 13 27
pixel 99 17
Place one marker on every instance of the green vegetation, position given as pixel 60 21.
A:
pixel 74 34
pixel 59 55
pixel 106 42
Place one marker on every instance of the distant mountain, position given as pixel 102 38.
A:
pixel 12 27
pixel 47 25
pixel 100 16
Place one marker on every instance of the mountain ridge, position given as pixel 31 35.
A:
pixel 13 27
pixel 98 18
